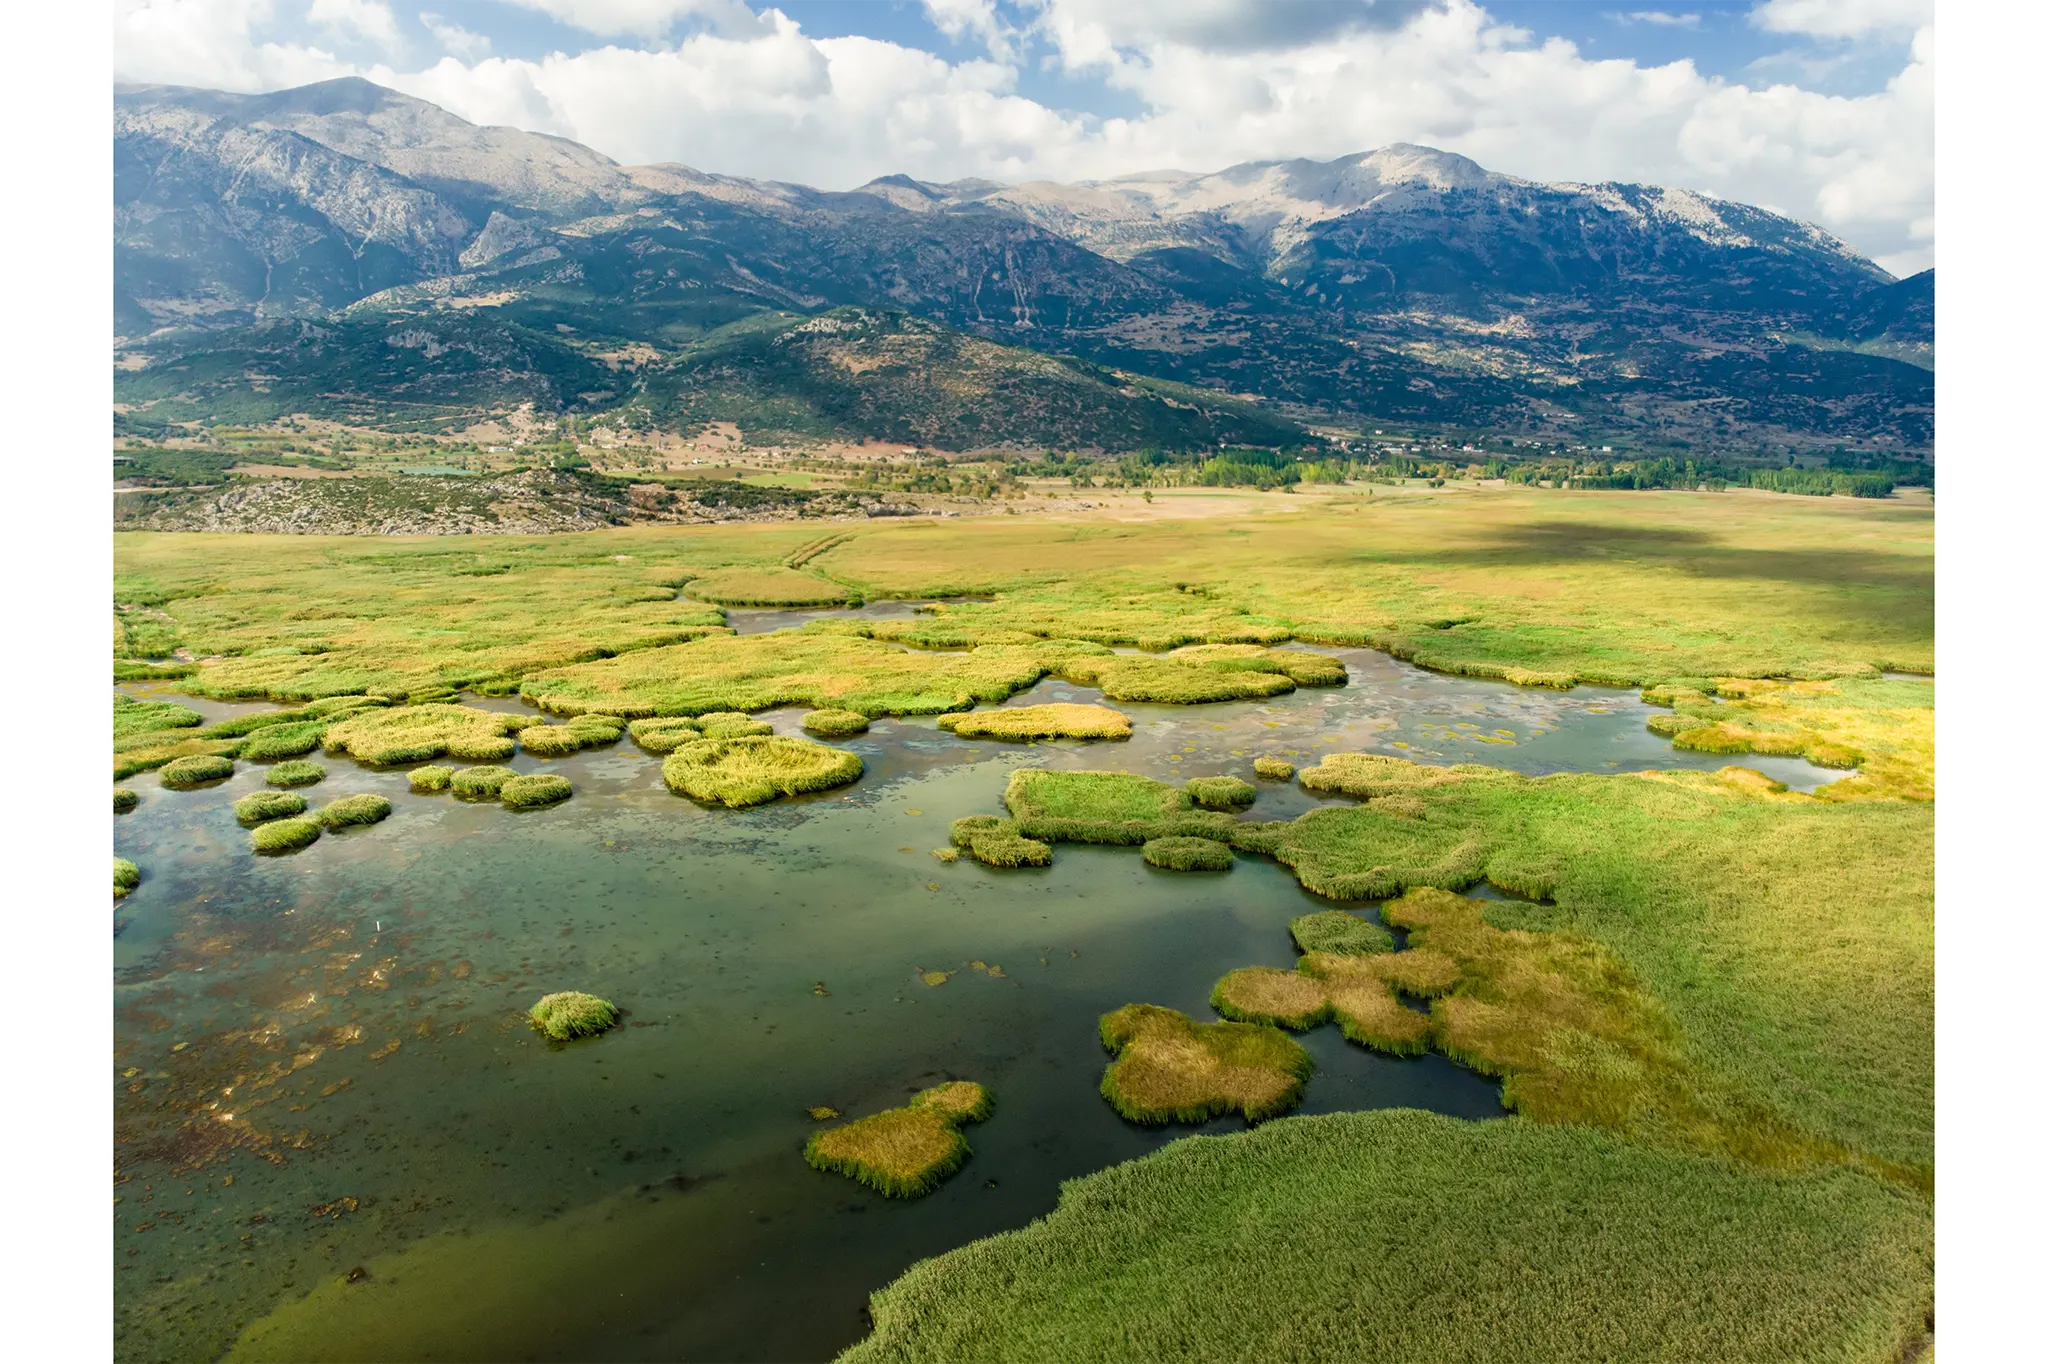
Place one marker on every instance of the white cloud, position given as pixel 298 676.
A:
pixel 1658 18
pixel 212 43
pixel 368 21
pixel 643 18
pixel 455 40
pixel 959 18
pixel 1843 18
pixel 766 99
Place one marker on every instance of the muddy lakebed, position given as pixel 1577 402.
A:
pixel 336 1136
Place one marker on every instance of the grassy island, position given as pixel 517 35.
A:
pixel 904 1152
pixel 1171 1069
pixel 752 771
pixel 1056 720
pixel 571 1014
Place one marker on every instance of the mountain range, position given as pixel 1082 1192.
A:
pixel 347 244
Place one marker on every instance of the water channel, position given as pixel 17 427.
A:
pixel 337 1138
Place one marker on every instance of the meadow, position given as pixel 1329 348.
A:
pixel 1710 998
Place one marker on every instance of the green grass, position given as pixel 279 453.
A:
pixel 125 800
pixel 284 835
pixel 296 774
pixel 480 783
pixel 1105 807
pixel 995 842
pixel 664 735
pixel 425 781
pixel 408 734
pixel 1189 854
pixel 571 1014
pixel 1401 1235
pixel 351 811
pixel 1273 769
pixel 260 806
pixel 184 774
pixel 1056 720
pixel 751 771
pixel 559 741
pixel 283 741
pixel 1221 793
pixel 132 717
pixel 835 724
pixel 732 724
pixel 127 876
pixel 904 1152
pixel 534 790
pixel 776 586
pixel 1881 727
pixel 1334 930
pixel 1171 1069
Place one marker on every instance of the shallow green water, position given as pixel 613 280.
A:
pixel 643 1195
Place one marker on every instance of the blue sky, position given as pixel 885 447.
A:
pixel 1818 108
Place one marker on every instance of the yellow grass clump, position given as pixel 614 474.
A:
pixel 406 734
pixel 751 771
pixel 1882 727
pixel 1055 720
pixel 904 1152
pixel 1171 1069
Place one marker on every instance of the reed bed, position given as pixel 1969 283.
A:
pixel 1055 720
pixel 125 800
pixel 410 734
pixel 1221 793
pixel 752 771
pixel 185 774
pixel 1339 932
pixel 1189 854
pixel 835 724
pixel 353 811
pixel 127 876
pixel 570 1014
pixel 428 780
pixel 535 791
pixel 480 783
pixel 260 806
pixel 285 835
pixel 1171 1069
pixel 904 1152
pixel 296 773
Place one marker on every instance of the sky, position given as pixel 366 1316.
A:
pixel 1822 109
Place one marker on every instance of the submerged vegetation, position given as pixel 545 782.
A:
pixel 1308 1238
pixel 752 771
pixel 1056 720
pixel 569 1014
pixel 904 1152
pixel 1170 1069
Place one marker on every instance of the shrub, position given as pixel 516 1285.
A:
pixel 535 790
pixel 426 781
pixel 183 774
pixel 1340 932
pixel 571 1014
pixel 1221 793
pixel 353 810
pixel 904 1152
pixel 284 835
pixel 1273 769
pixel 750 771
pixel 837 724
pixel 125 800
pixel 1058 720
pixel 296 774
pixel 480 783
pixel 127 876
pixel 259 806
pixel 1188 854
pixel 1170 1069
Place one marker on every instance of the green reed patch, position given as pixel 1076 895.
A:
pixel 1171 1069
pixel 559 741
pixel 904 1152
pixel 351 811
pixel 835 724
pixel 570 1014
pixel 284 741
pixel 480 783
pixel 125 800
pixel 774 586
pixel 185 774
pixel 751 771
pixel 259 806
pixel 296 773
pixel 425 781
pixel 535 790
pixel 732 724
pixel 664 735
pixel 132 717
pixel 1055 720
pixel 1641 1254
pixel 1221 793
pixel 410 734
pixel 995 842
pixel 1273 769
pixel 1106 807
pixel 1335 930
pixel 127 876
pixel 284 835
pixel 1189 854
